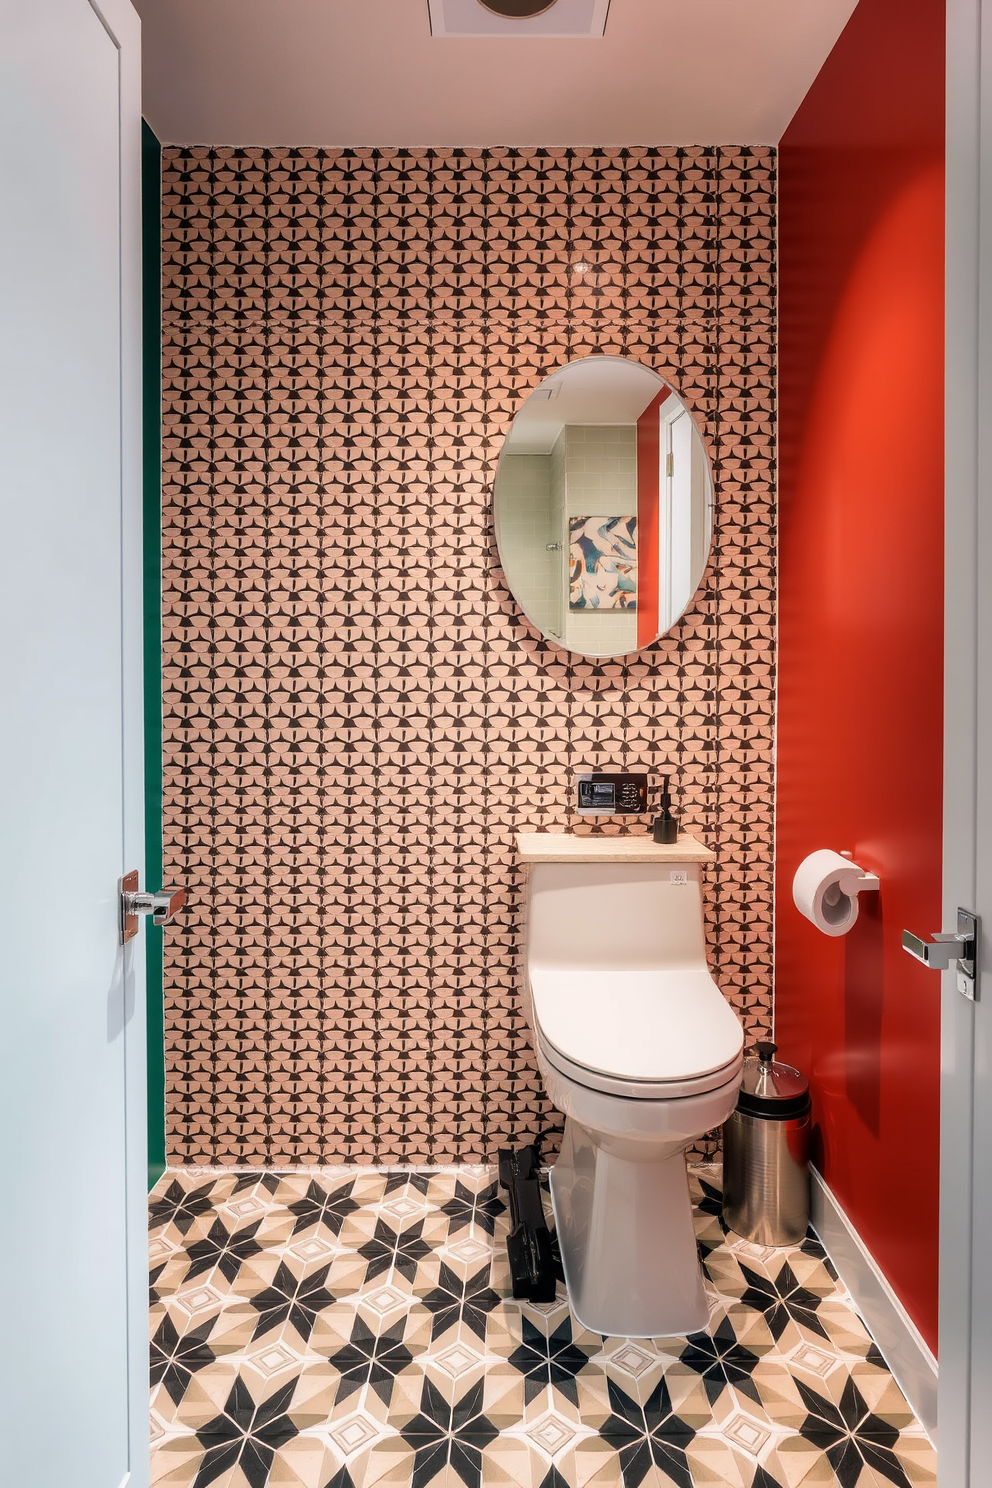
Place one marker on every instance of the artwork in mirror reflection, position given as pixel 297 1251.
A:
pixel 603 563
pixel 603 506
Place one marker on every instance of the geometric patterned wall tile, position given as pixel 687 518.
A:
pixel 347 336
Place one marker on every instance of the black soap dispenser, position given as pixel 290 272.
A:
pixel 666 825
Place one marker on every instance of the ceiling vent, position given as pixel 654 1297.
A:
pixel 518 17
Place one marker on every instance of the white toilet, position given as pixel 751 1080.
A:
pixel 643 1054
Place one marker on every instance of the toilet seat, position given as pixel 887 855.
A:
pixel 647 1034
pixel 646 1090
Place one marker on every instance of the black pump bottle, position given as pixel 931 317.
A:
pixel 666 826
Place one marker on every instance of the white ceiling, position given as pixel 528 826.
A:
pixel 368 72
pixel 596 390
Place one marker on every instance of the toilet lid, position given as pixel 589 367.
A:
pixel 637 1025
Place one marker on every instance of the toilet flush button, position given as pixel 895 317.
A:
pixel 678 876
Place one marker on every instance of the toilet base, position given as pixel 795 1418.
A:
pixel 624 1223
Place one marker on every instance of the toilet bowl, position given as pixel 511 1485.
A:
pixel 642 1053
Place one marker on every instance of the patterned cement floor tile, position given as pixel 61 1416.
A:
pixel 334 1328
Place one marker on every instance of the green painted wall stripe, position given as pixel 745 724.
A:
pixel 151 208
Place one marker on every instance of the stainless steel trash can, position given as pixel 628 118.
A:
pixel 766 1153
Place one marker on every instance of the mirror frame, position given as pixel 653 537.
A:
pixel 559 642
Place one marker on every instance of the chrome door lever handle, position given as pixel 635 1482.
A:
pixel 162 906
pixel 939 953
pixel 946 950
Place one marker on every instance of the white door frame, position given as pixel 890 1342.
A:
pixel 965 1379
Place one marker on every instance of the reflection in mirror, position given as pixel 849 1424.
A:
pixel 603 506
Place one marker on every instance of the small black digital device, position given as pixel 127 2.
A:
pixel 601 794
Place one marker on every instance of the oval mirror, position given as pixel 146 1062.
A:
pixel 603 507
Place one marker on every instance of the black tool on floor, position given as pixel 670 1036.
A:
pixel 528 1245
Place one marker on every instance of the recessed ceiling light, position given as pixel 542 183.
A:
pixel 518 17
pixel 517 8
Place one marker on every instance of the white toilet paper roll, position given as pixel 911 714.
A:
pixel 826 888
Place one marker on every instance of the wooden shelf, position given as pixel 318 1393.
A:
pixel 565 847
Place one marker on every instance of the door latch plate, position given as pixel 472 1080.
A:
pixel 964 976
pixel 127 886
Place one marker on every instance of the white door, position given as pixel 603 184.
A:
pixel 965 1382
pixel 72 1248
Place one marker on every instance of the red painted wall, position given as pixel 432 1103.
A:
pixel 860 714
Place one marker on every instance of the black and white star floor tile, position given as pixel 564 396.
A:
pixel 343 1328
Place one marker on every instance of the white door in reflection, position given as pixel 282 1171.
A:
pixel 677 583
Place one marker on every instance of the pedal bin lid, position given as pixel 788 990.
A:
pixel 775 1091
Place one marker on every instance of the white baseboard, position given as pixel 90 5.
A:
pixel 899 1341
